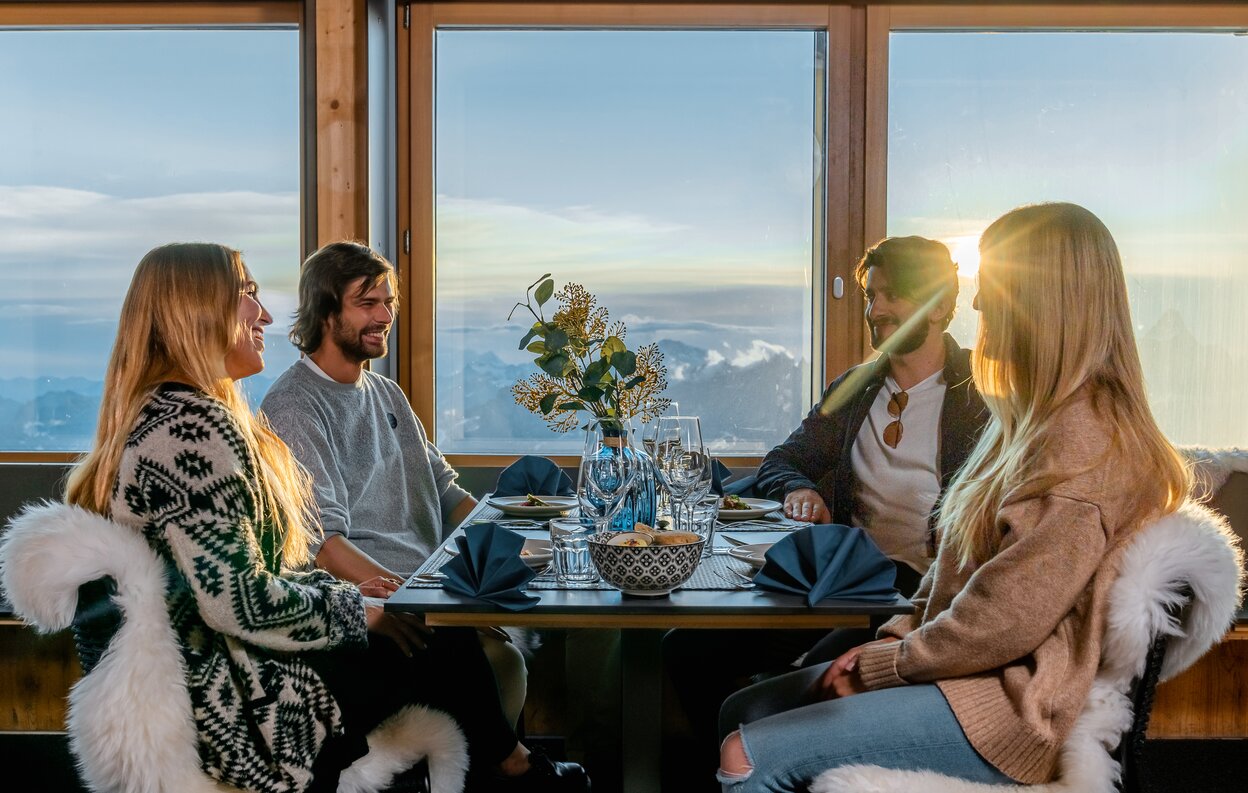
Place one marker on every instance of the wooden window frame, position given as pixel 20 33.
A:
pixel 843 26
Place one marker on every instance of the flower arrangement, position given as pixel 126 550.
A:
pixel 585 363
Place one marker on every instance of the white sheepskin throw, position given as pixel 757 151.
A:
pixel 1194 546
pixel 130 722
pixel 1212 467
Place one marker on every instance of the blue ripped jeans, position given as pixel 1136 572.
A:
pixel 790 739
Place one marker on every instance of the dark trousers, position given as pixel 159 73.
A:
pixel 706 666
pixel 373 683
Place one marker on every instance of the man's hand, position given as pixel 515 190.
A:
pixel 841 679
pixel 408 631
pixel 806 505
pixel 381 586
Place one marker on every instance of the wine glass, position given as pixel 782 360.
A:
pixel 606 472
pixel 682 464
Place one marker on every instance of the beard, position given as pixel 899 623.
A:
pixel 351 342
pixel 903 340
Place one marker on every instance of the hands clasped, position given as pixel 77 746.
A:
pixel 842 678
pixel 408 631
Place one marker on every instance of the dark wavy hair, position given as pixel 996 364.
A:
pixel 323 282
pixel 916 267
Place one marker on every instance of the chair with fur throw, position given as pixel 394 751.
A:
pixel 1175 597
pixel 130 724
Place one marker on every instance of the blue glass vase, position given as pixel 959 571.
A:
pixel 640 503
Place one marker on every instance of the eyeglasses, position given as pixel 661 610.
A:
pixel 896 404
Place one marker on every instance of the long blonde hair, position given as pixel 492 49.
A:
pixel 178 322
pixel 1054 321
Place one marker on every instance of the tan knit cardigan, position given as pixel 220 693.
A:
pixel 1014 644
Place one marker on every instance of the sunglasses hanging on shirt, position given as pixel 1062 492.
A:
pixel 896 404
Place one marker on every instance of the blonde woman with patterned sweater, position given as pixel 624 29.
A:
pixel 284 678
pixel 985 680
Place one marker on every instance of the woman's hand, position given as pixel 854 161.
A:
pixel 380 587
pixel 408 631
pixel 842 679
pixel 807 506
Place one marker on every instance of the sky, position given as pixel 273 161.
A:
pixel 114 142
pixel 673 173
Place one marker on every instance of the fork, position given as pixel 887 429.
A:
pixel 740 582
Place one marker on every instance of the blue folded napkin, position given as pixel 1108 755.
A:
pixel 489 568
pixel 828 561
pixel 719 475
pixel 533 475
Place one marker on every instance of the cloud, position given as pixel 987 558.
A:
pixel 757 352
pixel 713 357
pixel 490 247
pixel 83 243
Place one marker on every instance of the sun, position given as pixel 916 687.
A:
pixel 965 252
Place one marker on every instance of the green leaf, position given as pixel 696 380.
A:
pixel 624 362
pixel 636 381
pixel 612 345
pixel 571 406
pixel 554 365
pixel 548 403
pixel 556 337
pixel 544 291
pixel 528 337
pixel 591 393
pixel 595 371
pixel 537 346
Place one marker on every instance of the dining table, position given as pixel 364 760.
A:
pixel 715 597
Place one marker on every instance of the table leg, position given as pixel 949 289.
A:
pixel 641 678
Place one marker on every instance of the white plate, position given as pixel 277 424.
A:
pixel 535 553
pixel 515 505
pixel 759 507
pixel 751 554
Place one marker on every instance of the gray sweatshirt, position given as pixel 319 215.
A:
pixel 378 480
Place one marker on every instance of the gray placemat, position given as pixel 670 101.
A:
pixel 712 573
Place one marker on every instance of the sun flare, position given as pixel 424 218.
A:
pixel 965 252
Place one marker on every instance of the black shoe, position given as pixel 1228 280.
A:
pixel 546 776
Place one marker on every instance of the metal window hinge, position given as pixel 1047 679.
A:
pixel 407 240
pixel 407 15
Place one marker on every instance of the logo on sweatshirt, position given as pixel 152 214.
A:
pixel 394 421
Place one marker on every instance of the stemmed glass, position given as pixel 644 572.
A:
pixel 606 472
pixel 682 464
pixel 648 433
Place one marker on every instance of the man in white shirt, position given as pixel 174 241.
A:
pixel 876 451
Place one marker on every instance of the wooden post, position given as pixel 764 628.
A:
pixel 341 120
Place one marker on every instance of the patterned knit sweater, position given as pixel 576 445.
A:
pixel 187 482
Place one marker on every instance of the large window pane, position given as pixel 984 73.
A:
pixel 115 141
pixel 674 174
pixel 1147 130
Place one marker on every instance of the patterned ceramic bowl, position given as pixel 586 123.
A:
pixel 650 571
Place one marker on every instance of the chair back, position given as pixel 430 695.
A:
pixel 130 722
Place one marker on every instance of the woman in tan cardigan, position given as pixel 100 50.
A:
pixel 985 680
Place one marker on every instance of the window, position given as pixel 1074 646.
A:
pixel 1149 130
pixel 115 141
pixel 676 174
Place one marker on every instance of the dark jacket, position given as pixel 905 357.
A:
pixel 817 454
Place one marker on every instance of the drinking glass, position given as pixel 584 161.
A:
pixel 569 545
pixel 648 432
pixel 682 465
pixel 607 470
pixel 703 517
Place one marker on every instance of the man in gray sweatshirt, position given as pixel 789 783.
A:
pixel 386 495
